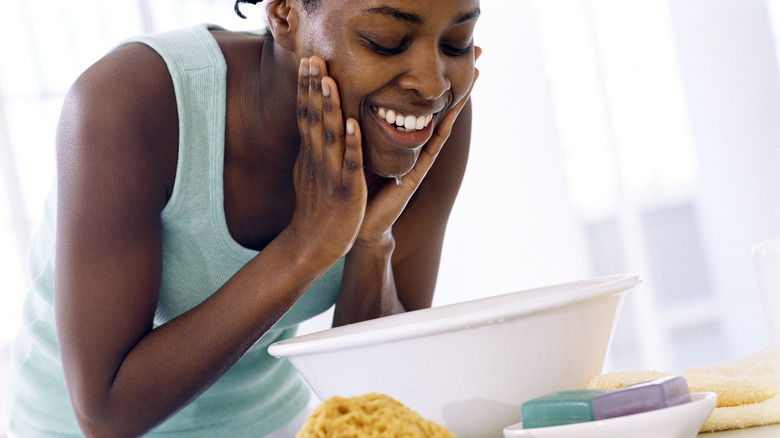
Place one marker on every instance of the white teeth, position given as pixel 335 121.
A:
pixel 410 122
pixel 404 122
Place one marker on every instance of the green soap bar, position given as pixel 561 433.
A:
pixel 557 408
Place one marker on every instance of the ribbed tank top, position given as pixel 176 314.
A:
pixel 259 393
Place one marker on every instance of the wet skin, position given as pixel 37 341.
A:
pixel 409 58
pixel 414 57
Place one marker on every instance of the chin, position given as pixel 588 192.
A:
pixel 391 167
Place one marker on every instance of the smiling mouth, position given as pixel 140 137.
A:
pixel 403 122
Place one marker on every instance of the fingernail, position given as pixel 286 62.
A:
pixel 350 127
pixel 325 89
pixel 314 69
pixel 303 69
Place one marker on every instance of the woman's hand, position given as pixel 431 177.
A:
pixel 368 288
pixel 330 185
pixel 387 204
pixel 331 194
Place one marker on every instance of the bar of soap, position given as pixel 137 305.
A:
pixel 558 408
pixel 641 397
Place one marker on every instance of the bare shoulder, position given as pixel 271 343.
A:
pixel 124 80
pixel 230 40
pixel 121 114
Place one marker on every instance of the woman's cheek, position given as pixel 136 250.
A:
pixel 350 97
pixel 343 72
pixel 461 81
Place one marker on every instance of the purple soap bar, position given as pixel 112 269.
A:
pixel 642 397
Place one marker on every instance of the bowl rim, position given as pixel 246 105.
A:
pixel 451 317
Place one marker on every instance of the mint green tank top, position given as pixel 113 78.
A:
pixel 260 393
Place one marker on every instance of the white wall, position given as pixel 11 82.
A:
pixel 729 68
pixel 513 225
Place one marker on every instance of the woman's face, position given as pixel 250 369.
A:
pixel 396 62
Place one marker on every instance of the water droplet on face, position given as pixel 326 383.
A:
pixel 398 181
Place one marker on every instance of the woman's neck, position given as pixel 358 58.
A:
pixel 261 100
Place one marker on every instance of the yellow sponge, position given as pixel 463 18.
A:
pixel 370 415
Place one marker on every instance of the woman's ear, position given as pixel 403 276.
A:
pixel 282 22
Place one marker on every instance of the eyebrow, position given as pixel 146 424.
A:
pixel 414 18
pixel 468 16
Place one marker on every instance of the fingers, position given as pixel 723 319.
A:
pixel 301 108
pixel 353 153
pixel 459 106
pixel 445 126
pixel 314 109
pixel 333 143
pixel 311 104
pixel 324 143
pixel 441 134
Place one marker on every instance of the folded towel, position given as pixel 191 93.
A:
pixel 748 389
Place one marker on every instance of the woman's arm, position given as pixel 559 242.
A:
pixel 420 230
pixel 393 265
pixel 116 165
pixel 398 272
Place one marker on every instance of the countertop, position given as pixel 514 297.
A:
pixel 772 431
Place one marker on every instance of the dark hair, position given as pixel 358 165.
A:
pixel 308 5
pixel 238 10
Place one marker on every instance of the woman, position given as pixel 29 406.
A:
pixel 217 188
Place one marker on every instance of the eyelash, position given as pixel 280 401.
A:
pixel 390 51
pixel 455 51
pixel 387 51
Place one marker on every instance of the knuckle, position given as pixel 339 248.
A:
pixel 415 179
pixel 351 164
pixel 313 116
pixel 328 136
pixel 300 111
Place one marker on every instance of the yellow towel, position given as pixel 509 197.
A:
pixel 748 389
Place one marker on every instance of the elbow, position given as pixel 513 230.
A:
pixel 101 410
pixel 97 421
pixel 95 424
pixel 105 429
pixel 90 431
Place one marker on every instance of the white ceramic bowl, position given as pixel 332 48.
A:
pixel 469 366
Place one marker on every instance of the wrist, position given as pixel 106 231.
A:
pixel 384 245
pixel 368 286
pixel 307 251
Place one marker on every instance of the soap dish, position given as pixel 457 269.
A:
pixel 680 421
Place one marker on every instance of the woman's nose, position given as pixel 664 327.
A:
pixel 426 74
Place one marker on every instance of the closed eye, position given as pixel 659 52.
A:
pixel 382 50
pixel 455 51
